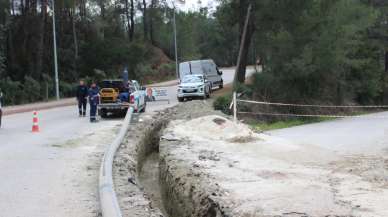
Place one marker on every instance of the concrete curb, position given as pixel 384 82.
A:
pixel 108 199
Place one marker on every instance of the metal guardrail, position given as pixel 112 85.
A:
pixel 108 199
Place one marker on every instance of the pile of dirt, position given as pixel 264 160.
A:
pixel 213 127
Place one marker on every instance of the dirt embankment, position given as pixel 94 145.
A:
pixel 211 167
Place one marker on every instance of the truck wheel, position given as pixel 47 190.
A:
pixel 144 108
pixel 181 99
pixel 103 113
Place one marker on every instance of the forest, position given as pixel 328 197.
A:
pixel 311 51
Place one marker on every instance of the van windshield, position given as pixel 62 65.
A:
pixel 190 68
pixel 192 79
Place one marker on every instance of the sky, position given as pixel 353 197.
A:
pixel 196 4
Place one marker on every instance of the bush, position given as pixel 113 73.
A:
pixel 31 89
pixel 144 72
pixel 12 91
pixel 222 103
pixel 67 89
pixel 167 69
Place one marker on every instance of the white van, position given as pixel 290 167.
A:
pixel 207 68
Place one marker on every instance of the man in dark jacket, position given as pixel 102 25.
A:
pixel 94 100
pixel 82 94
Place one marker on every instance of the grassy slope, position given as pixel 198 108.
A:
pixel 265 126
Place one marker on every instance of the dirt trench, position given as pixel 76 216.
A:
pixel 143 182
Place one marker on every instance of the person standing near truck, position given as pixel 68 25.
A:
pixel 82 95
pixel 94 99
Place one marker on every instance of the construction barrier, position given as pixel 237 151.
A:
pixel 35 122
pixel 236 101
pixel 154 94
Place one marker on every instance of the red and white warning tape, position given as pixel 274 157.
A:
pixel 305 115
pixel 317 106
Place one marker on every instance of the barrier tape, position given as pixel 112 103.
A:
pixel 317 106
pixel 301 115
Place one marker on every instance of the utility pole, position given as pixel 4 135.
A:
pixel 242 43
pixel 175 44
pixel 55 54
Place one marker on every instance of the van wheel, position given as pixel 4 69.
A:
pixel 208 93
pixel 181 99
pixel 221 85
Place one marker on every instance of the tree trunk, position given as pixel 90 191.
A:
pixel 244 43
pixel 42 25
pixel 126 7
pixel 132 16
pixel 145 24
pixel 151 21
pixel 102 8
pixel 82 9
pixel 385 76
pixel 75 40
pixel 13 7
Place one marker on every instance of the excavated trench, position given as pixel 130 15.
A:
pixel 166 192
pixel 145 180
pixel 148 172
pixel 149 179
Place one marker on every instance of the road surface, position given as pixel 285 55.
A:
pixel 367 135
pixel 354 154
pixel 54 173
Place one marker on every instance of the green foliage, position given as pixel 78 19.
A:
pixel 313 51
pixel 111 57
pixel 319 53
pixel 222 103
pixel 13 92
pixel 31 89
pixel 266 126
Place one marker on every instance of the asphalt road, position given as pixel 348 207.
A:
pixel 354 154
pixel 54 173
pixel 366 135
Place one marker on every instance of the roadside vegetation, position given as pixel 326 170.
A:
pixel 267 126
pixel 99 39
pixel 316 52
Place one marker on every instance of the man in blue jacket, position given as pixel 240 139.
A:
pixel 94 99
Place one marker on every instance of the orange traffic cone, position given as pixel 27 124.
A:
pixel 35 125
